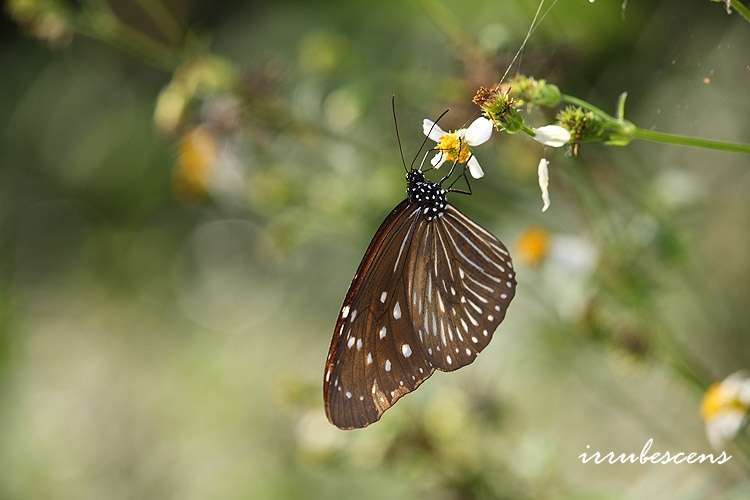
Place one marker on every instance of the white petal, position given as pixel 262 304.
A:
pixel 737 386
pixel 543 172
pixel 432 130
pixel 552 135
pixel 724 427
pixel 437 160
pixel 478 132
pixel 475 169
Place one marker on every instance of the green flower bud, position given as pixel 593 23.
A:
pixel 535 92
pixel 583 125
pixel 500 108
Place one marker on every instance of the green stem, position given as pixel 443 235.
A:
pixel 684 140
pixel 741 9
pixel 99 23
pixel 580 102
pixel 652 135
pixel 163 18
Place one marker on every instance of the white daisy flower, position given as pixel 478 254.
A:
pixel 456 145
pixel 552 135
pixel 724 408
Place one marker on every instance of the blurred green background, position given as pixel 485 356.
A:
pixel 186 189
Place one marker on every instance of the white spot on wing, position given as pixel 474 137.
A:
pixel 387 365
pixel 397 311
pixel 383 297
pixel 383 331
pixel 345 312
pixel 406 350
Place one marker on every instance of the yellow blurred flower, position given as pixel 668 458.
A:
pixel 198 153
pixel 532 246
pixel 200 77
pixel 47 20
pixel 321 52
pixel 724 407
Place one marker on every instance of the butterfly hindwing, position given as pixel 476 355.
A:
pixel 375 356
pixel 460 290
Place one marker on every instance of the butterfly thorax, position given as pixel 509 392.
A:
pixel 430 197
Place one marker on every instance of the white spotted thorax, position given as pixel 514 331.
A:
pixel 428 196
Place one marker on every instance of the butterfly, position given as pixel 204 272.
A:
pixel 428 295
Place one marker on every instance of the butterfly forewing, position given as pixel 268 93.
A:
pixel 375 356
pixel 460 289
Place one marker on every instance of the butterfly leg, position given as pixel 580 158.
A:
pixel 423 160
pixel 468 184
pixel 450 173
pixel 421 164
pixel 453 167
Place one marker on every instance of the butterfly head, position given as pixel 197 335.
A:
pixel 414 177
pixel 430 197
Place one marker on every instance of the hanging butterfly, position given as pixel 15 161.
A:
pixel 429 293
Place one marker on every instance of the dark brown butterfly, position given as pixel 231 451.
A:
pixel 429 293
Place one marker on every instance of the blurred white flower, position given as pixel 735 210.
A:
pixel 570 253
pixel 678 187
pixel 565 263
pixel 315 435
pixel 552 135
pixel 456 145
pixel 724 408
pixel 543 172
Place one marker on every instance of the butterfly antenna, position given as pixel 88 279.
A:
pixel 526 39
pixel 427 136
pixel 398 136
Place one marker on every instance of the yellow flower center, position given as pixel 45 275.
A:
pixel 453 148
pixel 533 245
pixel 716 401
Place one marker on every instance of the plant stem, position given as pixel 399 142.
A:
pixel 741 9
pixel 163 18
pixel 684 140
pixel 580 102
pixel 654 136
